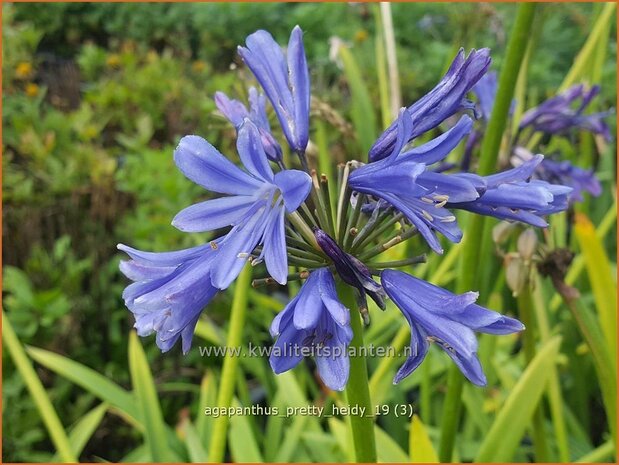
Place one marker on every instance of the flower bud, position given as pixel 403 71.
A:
pixel 501 232
pixel 527 244
pixel 516 275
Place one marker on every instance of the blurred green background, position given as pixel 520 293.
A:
pixel 95 97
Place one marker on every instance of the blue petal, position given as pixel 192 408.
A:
pixel 456 188
pixel 486 321
pixel 283 356
pixel 187 335
pixel 257 105
pixel 204 165
pixel 233 110
pixel 521 173
pixel 404 126
pixel 300 85
pixel 309 307
pixel 136 271
pixel 469 366
pixel 251 151
pixel 266 60
pixel 419 349
pixel 378 178
pixel 295 186
pixel 277 324
pixel 232 253
pixel 438 148
pixel 213 214
pixel 275 256
pixel 334 370
pixel 339 312
pixel 166 258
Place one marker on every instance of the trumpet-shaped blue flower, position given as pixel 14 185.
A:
pixel 236 112
pixel 558 114
pixel 285 81
pixel 169 292
pixel 561 172
pixel 314 322
pixel 255 206
pixel 436 315
pixel 511 195
pixel 402 180
pixel 446 99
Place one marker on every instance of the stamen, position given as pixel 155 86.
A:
pixel 447 219
pixel 427 216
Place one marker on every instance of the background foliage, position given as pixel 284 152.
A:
pixel 95 97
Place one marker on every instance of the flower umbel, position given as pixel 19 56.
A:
pixel 286 217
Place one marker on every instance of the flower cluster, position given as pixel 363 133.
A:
pixel 284 218
pixel 557 115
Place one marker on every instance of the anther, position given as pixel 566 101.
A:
pixel 447 219
pixel 213 245
pixel 427 216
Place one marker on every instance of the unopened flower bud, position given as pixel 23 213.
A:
pixel 516 275
pixel 501 232
pixel 527 244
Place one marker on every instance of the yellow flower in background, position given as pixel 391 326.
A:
pixel 113 61
pixel 23 70
pixel 361 35
pixel 198 65
pixel 32 90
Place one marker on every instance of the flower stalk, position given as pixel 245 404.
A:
pixel 217 447
pixel 358 389
pixel 516 49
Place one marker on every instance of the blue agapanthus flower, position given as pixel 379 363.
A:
pixel 284 218
pixel 285 81
pixel 449 320
pixel 255 206
pixel 512 195
pixel 236 112
pixel 317 321
pixel 562 172
pixel 403 180
pixel 170 291
pixel 565 111
pixel 445 100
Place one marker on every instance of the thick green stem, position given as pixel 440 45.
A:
pixel 525 312
pixel 491 144
pixel 357 389
pixel 217 447
pixel 451 414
